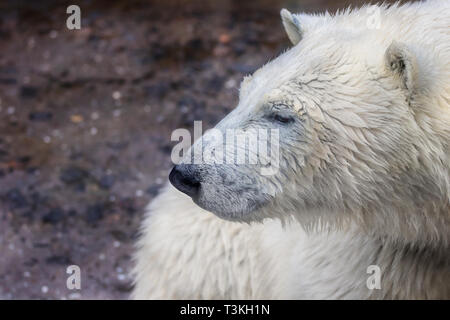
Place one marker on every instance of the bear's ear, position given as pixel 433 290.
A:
pixel 292 26
pixel 402 63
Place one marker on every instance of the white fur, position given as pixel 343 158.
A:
pixel 187 252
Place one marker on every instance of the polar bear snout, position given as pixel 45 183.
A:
pixel 184 178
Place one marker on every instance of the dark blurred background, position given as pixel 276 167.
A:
pixel 86 117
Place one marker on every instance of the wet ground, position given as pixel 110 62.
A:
pixel 86 117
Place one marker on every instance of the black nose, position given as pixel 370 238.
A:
pixel 184 178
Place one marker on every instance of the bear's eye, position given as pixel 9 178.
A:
pixel 282 118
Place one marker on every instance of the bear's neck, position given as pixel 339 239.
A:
pixel 347 259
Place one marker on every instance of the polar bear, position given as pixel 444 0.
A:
pixel 359 207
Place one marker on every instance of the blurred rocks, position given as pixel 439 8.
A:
pixel 107 181
pixel 54 216
pixel 73 175
pixel 153 190
pixel 95 213
pixel 40 116
pixel 59 260
pixel 16 199
pixel 28 92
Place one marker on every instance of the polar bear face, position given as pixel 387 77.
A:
pixel 347 137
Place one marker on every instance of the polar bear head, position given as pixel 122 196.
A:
pixel 353 135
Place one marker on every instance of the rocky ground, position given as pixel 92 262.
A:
pixel 86 117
